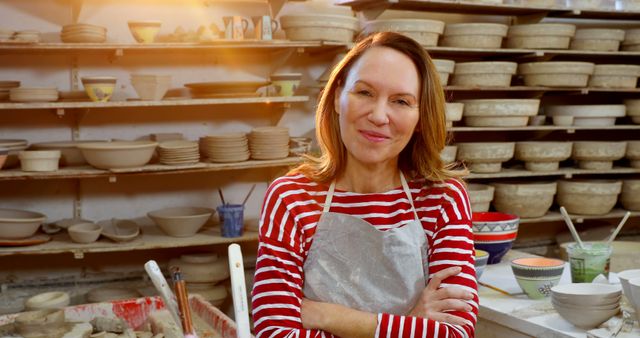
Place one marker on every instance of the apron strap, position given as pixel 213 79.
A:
pixel 327 200
pixel 407 191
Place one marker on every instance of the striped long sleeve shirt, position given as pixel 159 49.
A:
pixel 290 213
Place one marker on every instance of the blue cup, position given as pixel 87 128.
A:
pixel 232 219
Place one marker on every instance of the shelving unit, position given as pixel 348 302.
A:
pixel 555 216
pixel 564 172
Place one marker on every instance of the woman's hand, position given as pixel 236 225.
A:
pixel 435 300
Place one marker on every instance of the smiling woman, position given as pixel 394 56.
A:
pixel 373 238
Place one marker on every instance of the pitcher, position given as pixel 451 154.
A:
pixel 264 27
pixel 234 27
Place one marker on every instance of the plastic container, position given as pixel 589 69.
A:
pixel 232 219
pixel 589 262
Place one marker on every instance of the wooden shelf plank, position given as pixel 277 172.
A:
pixel 163 103
pixel 566 172
pixel 152 169
pixel 464 7
pixel 529 53
pixel 540 89
pixel 151 238
pixel 555 216
pixel 549 127
pixel 110 47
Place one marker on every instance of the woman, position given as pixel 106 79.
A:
pixel 374 237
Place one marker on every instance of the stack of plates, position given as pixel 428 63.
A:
pixel 29 36
pixel 82 32
pixel 269 143
pixel 5 86
pixel 14 147
pixel 231 147
pixel 179 152
pixel 34 94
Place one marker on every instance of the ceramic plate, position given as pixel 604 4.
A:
pixel 33 240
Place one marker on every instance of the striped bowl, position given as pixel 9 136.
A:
pixel 537 275
pixel 494 232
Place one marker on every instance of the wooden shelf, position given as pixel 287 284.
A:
pixel 554 216
pixel 152 169
pixel 566 172
pixel 569 129
pixel 151 238
pixel 583 91
pixel 163 103
pixel 373 8
pixel 119 49
pixel 522 53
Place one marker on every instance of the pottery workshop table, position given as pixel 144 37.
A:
pixel 516 316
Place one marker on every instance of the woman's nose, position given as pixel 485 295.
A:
pixel 379 113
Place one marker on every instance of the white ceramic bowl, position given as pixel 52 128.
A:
pixel 625 276
pixel 70 154
pixel 118 154
pixel 16 224
pixel 182 221
pixel 634 286
pixel 585 317
pixel 584 294
pixel 39 160
pixel 84 232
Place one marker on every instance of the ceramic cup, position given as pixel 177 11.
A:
pixel 589 262
pixel 232 219
pixel 264 26
pixel 235 27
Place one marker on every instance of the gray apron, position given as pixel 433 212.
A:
pixel 352 263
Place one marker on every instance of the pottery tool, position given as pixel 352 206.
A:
pixel 249 194
pixel 618 228
pixel 154 272
pixel 239 291
pixel 494 288
pixel 221 196
pixel 183 304
pixel 572 228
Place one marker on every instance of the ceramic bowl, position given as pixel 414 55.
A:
pixel 39 160
pixel 625 276
pixel 99 88
pixel 182 221
pixel 542 155
pixel 70 154
pixel 633 153
pixel 525 199
pixel 150 87
pixel 485 157
pixel 537 275
pixel 206 268
pixel 144 31
pixel 319 27
pixel 484 74
pixel 17 224
pixel 584 317
pixel 499 112
pixel 118 154
pixel 588 197
pixel 494 232
pixel 597 155
pixel 562 120
pixel 84 232
pixel 586 294
pixel 480 196
pixel 285 84
pixel 119 230
pixel 47 300
pixel 482 257
pixel 453 111
pixel 634 288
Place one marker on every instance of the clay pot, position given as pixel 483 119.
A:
pixel 527 200
pixel 499 112
pixel 588 197
pixel 633 153
pixel 484 74
pixel 597 39
pixel 485 157
pixel 480 196
pixel 205 268
pixel 540 36
pixel 474 35
pixel 542 156
pixel 597 155
pixel 319 27
pixel 615 76
pixel 556 73
pixel 425 32
pixel 444 68
pixel 630 197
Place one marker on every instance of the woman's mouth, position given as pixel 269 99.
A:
pixel 373 136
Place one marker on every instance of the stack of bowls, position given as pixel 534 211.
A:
pixel 33 94
pixel 82 32
pixel 269 143
pixel 5 87
pixel 13 148
pixel 537 275
pixel 586 305
pixel 205 275
pixel 150 87
pixel 230 147
pixel 178 152
pixel 494 232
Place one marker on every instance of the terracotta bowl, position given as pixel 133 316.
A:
pixel 84 232
pixel 482 257
pixel 17 224
pixel 181 222
pixel 537 275
pixel 48 300
pixel 494 232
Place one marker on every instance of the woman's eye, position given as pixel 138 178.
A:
pixel 364 93
pixel 403 102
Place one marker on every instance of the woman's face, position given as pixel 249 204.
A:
pixel 378 106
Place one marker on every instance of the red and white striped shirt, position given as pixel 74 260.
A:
pixel 291 210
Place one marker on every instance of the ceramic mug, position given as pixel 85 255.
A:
pixel 264 27
pixel 234 27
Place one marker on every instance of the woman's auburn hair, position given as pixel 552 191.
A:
pixel 421 156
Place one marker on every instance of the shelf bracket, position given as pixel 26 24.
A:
pixel 78 254
pixel 118 53
pixel 77 203
pixel 60 112
pixel 113 179
pixel 571 131
pixel 75 80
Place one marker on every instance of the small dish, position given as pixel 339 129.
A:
pixel 84 232
pixel 119 230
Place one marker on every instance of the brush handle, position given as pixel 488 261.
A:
pixel 239 291
pixel 158 280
